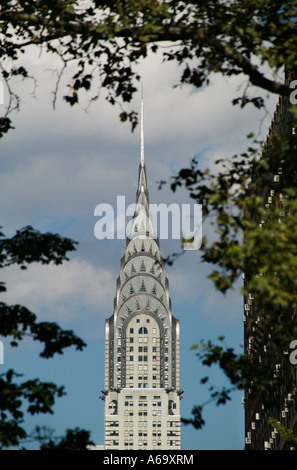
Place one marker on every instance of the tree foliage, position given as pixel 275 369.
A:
pixel 74 439
pixel 255 239
pixel 16 322
pixel 106 40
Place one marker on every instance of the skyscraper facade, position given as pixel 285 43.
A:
pixel 142 390
pixel 281 404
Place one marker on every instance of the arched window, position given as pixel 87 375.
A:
pixel 113 406
pixel 171 405
pixel 142 331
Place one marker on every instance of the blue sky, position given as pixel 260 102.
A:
pixel 56 166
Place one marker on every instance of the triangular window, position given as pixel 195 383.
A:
pixel 142 287
pixel 142 267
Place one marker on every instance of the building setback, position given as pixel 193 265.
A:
pixel 142 390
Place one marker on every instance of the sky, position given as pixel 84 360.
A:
pixel 57 165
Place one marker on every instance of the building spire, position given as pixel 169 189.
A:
pixel 141 131
pixel 142 183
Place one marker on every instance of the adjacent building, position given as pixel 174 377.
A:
pixel 282 402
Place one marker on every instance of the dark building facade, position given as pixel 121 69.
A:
pixel 281 404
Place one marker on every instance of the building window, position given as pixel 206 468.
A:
pixel 142 287
pixel 142 331
pixel 142 267
pixel 113 406
pixel 131 331
pixel 171 407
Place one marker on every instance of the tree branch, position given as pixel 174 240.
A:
pixel 195 33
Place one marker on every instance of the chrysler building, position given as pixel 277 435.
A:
pixel 142 391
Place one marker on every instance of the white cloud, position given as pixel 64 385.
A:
pixel 67 294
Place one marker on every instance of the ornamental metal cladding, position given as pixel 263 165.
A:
pixel 142 394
